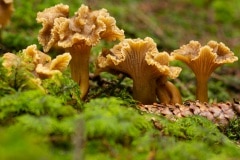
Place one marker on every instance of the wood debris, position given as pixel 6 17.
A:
pixel 219 113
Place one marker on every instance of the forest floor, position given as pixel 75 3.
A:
pixel 107 125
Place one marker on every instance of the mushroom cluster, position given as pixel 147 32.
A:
pixel 77 35
pixel 149 69
pixel 137 58
pixel 6 10
pixel 203 60
pixel 40 64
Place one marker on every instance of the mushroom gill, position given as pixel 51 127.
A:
pixel 141 61
pixel 77 35
pixel 203 60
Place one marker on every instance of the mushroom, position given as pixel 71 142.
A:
pixel 43 65
pixel 15 61
pixel 6 9
pixel 141 61
pixel 203 60
pixel 10 60
pixel 168 93
pixel 77 35
pixel 56 66
pixel 47 36
pixel 37 62
pixel 32 54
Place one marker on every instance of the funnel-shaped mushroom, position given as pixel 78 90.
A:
pixel 38 63
pixel 141 61
pixel 77 35
pixel 56 66
pixel 33 66
pixel 203 60
pixel 6 9
pixel 43 65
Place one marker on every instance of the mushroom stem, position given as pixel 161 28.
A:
pixel 202 89
pixel 144 90
pixel 168 93
pixel 79 66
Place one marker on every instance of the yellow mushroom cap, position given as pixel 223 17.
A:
pixel 85 27
pixel 44 71
pixel 161 61
pixel 37 62
pixel 56 66
pixel 60 62
pixel 36 56
pixel 140 60
pixel 46 36
pixel 204 59
pixel 29 57
pixel 224 54
pixel 90 26
pixel 43 65
pixel 10 60
pixel 137 56
pixel 49 14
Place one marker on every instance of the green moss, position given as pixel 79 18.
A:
pixel 19 78
pixel 232 130
pixel 107 117
pixel 32 102
pixel 113 130
pixel 189 138
pixel 16 143
pixel 65 88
